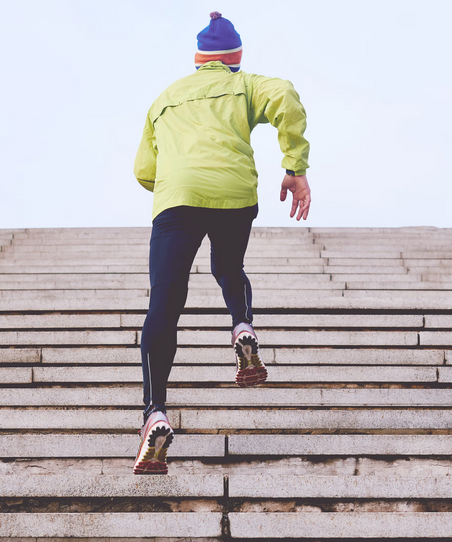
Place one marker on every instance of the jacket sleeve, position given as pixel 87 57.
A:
pixel 276 101
pixel 146 158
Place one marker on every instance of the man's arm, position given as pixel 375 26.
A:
pixel 276 101
pixel 146 158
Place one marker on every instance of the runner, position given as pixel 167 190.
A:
pixel 196 156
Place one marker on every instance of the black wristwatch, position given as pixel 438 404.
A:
pixel 290 172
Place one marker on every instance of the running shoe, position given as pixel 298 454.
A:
pixel 156 435
pixel 251 370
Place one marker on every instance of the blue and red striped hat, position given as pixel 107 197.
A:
pixel 219 41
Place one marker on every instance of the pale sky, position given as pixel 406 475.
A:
pixel 78 77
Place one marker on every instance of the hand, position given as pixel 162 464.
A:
pixel 298 185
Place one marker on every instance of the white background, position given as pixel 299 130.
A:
pixel 78 76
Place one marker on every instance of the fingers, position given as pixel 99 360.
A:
pixel 294 208
pixel 283 194
pixel 303 206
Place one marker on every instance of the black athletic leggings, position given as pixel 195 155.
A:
pixel 176 236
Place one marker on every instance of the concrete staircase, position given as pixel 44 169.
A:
pixel 349 439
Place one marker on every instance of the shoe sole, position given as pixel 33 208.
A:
pixel 255 372
pixel 151 458
pixel 251 376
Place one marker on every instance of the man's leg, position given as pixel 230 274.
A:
pixel 229 232
pixel 176 236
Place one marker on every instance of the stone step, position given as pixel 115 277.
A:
pixel 383 279
pixel 368 254
pixel 412 243
pixel 103 445
pixel 438 320
pixel 82 418
pixel 9 269
pixel 217 397
pixel 72 294
pixel 227 374
pixel 369 285
pixel 10 338
pixel 270 486
pixel 22 375
pixel 310 419
pixel 8 288
pixel 305 338
pixel 137 486
pixel 102 526
pixel 265 289
pixel 208 337
pixel 426 264
pixel 262 299
pixel 296 320
pixel 328 487
pixel 221 355
pixel 122 252
pixel 16 375
pixel 227 419
pixel 364 270
pixel 435 338
pixel 435 277
pixel 349 525
pixel 418 297
pixel 370 262
pixel 31 244
pixel 87 321
pixel 285 445
pixel 124 445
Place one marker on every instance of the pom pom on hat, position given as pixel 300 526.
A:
pixel 219 41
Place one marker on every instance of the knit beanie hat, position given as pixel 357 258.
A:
pixel 219 41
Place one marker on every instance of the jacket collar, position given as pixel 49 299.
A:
pixel 214 65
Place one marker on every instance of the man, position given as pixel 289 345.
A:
pixel 195 155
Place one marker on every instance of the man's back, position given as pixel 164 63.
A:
pixel 200 127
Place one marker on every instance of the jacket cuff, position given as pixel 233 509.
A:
pixel 296 173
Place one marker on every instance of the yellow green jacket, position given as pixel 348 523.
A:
pixel 196 149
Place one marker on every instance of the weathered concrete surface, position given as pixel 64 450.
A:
pixel 71 294
pixel 226 374
pixel 299 338
pixel 409 466
pixel 163 524
pixel 77 419
pixel 224 355
pixel 262 299
pixel 20 355
pixel 342 487
pixel 341 525
pixel 340 444
pixel 15 375
pixel 368 285
pixel 368 356
pixel 445 374
pixel 132 396
pixel 436 338
pixel 206 419
pixel 11 338
pixel 132 355
pixel 111 486
pixel 105 445
pixel 284 321
pixel 59 321
pixel 315 419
